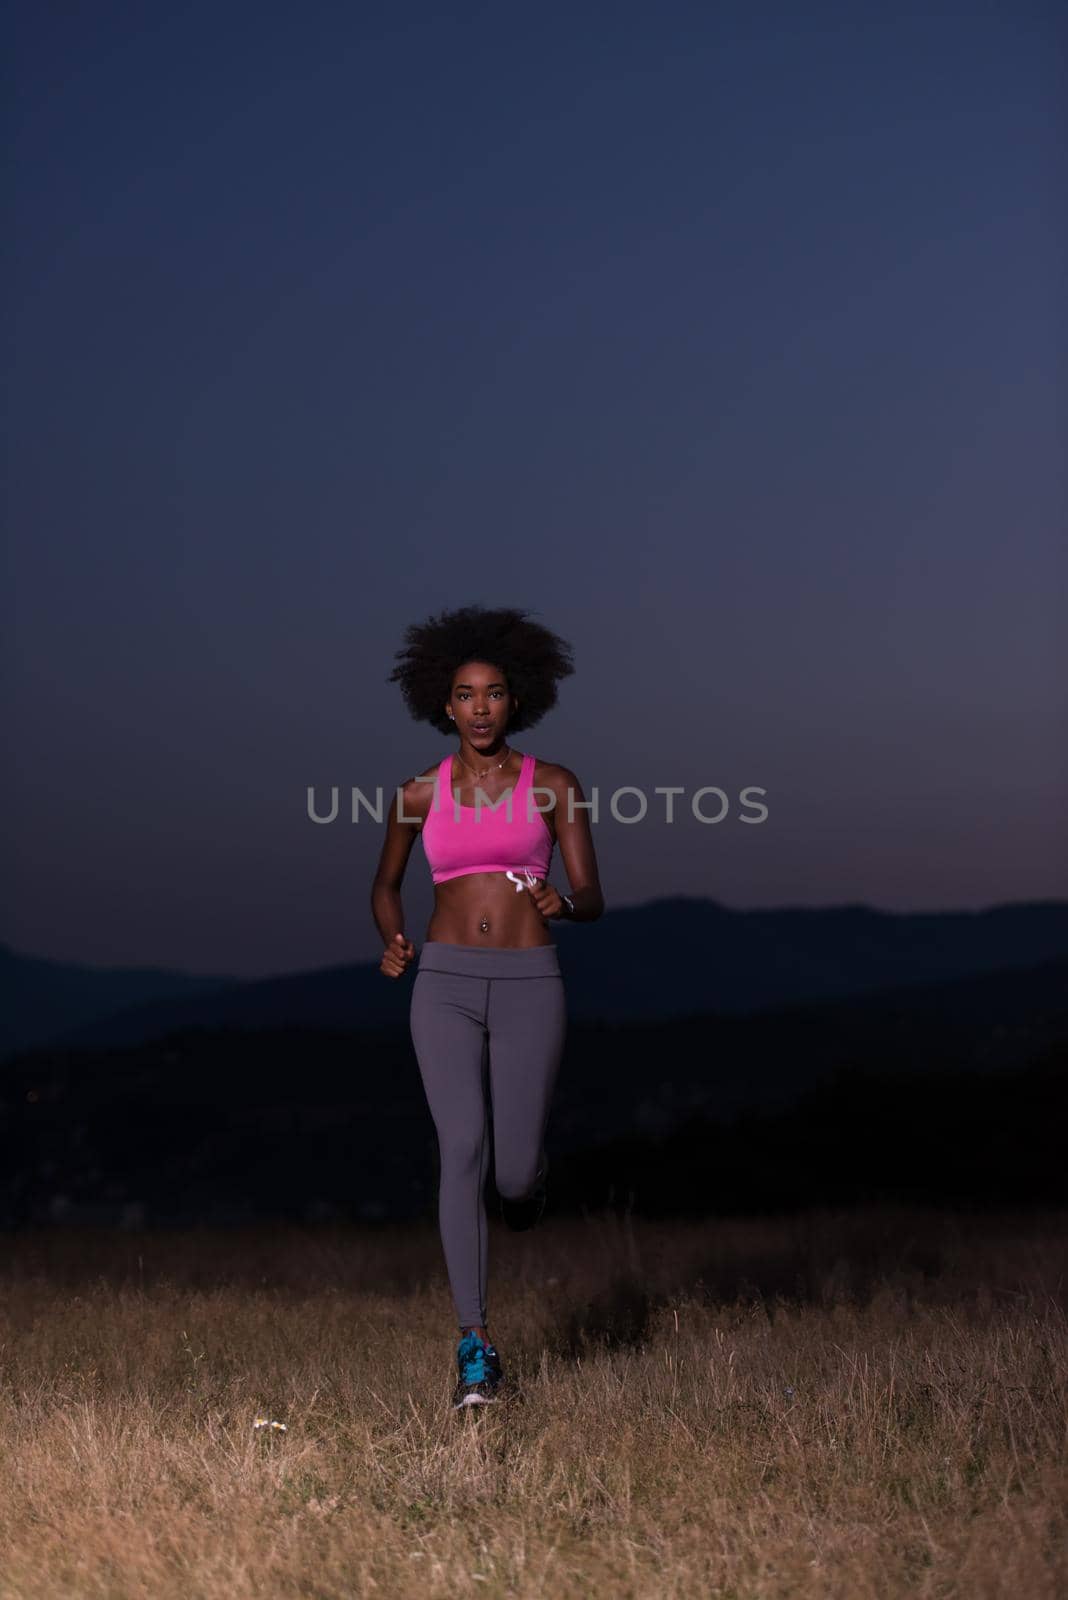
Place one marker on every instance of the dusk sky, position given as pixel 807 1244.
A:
pixel 725 339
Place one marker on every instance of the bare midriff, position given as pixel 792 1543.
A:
pixel 485 908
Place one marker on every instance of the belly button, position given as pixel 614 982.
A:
pixel 484 925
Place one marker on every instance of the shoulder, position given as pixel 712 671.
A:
pixel 553 775
pixel 417 791
pixel 426 776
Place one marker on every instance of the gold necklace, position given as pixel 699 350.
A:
pixel 470 768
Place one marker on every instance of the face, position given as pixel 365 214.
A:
pixel 480 702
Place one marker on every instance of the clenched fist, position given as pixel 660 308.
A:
pixel 397 956
pixel 545 897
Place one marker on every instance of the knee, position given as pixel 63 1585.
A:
pixel 515 1180
pixel 462 1153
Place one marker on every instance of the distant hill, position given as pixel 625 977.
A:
pixel 241 1122
pixel 668 958
pixel 40 999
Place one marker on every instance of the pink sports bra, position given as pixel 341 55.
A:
pixel 458 839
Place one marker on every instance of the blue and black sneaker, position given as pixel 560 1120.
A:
pixel 481 1378
pixel 524 1213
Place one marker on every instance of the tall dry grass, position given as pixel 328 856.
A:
pixel 860 1406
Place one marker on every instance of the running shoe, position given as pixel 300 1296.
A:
pixel 481 1379
pixel 524 1213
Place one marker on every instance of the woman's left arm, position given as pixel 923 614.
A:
pixel 575 840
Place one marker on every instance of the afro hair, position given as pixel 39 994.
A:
pixel 531 657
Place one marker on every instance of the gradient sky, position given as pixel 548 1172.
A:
pixel 725 339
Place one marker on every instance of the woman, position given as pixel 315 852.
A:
pixel 488 989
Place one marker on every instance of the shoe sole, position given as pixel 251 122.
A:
pixel 524 1220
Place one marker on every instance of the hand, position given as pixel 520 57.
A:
pixel 397 956
pixel 545 897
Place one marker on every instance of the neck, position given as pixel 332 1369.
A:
pixel 485 756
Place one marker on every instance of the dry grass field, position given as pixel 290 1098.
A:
pixel 858 1405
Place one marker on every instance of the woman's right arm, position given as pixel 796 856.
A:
pixel 386 906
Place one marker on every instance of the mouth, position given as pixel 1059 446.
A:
pixel 479 728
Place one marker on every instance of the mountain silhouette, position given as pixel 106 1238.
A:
pixel 673 957
pixel 233 1122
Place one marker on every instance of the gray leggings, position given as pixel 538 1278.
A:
pixel 472 1004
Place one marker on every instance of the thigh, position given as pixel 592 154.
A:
pixel 448 1030
pixel 527 1025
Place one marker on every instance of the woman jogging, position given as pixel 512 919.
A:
pixel 488 990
